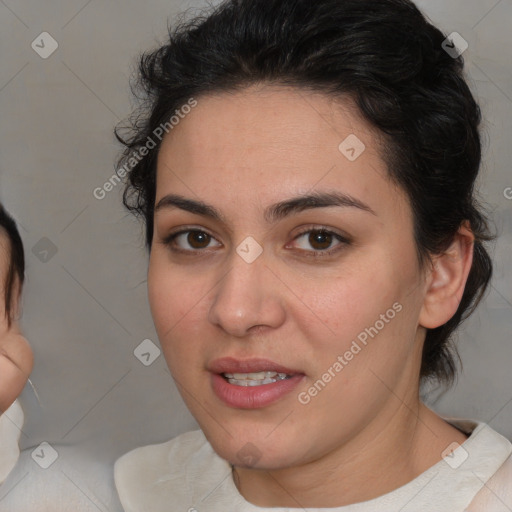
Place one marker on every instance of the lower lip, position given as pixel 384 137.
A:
pixel 252 397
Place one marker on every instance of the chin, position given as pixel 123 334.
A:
pixel 253 449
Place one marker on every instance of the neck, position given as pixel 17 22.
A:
pixel 399 445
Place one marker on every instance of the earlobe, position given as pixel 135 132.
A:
pixel 447 280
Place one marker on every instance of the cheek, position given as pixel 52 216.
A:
pixel 342 305
pixel 178 307
pixel 364 315
pixel 170 293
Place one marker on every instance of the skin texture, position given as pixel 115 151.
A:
pixel 16 358
pixel 241 152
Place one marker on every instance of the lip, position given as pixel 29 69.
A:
pixel 232 365
pixel 251 397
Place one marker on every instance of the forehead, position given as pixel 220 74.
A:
pixel 270 141
pixel 272 121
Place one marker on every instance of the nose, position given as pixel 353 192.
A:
pixel 247 298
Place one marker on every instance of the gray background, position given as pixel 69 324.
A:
pixel 85 307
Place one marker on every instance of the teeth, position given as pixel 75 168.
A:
pixel 254 376
pixel 254 379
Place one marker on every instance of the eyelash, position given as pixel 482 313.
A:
pixel 170 239
pixel 343 241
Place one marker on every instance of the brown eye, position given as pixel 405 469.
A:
pixel 320 240
pixel 198 239
pixel 190 240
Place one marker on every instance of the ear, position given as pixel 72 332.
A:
pixel 447 279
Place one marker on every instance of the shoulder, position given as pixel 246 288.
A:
pixel 11 422
pixel 76 481
pixel 179 469
pixel 157 455
pixel 149 463
pixel 487 459
pixel 496 494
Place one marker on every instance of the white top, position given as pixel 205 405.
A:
pixel 11 422
pixel 79 480
pixel 186 474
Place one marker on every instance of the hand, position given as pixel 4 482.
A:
pixel 16 362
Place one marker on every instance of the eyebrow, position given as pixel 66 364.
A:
pixel 274 212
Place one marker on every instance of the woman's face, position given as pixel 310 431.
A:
pixel 16 358
pixel 255 278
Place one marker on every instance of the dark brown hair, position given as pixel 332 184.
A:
pixel 16 269
pixel 387 57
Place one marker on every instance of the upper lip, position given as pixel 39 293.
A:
pixel 232 365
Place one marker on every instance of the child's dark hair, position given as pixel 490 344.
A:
pixel 384 55
pixel 16 269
